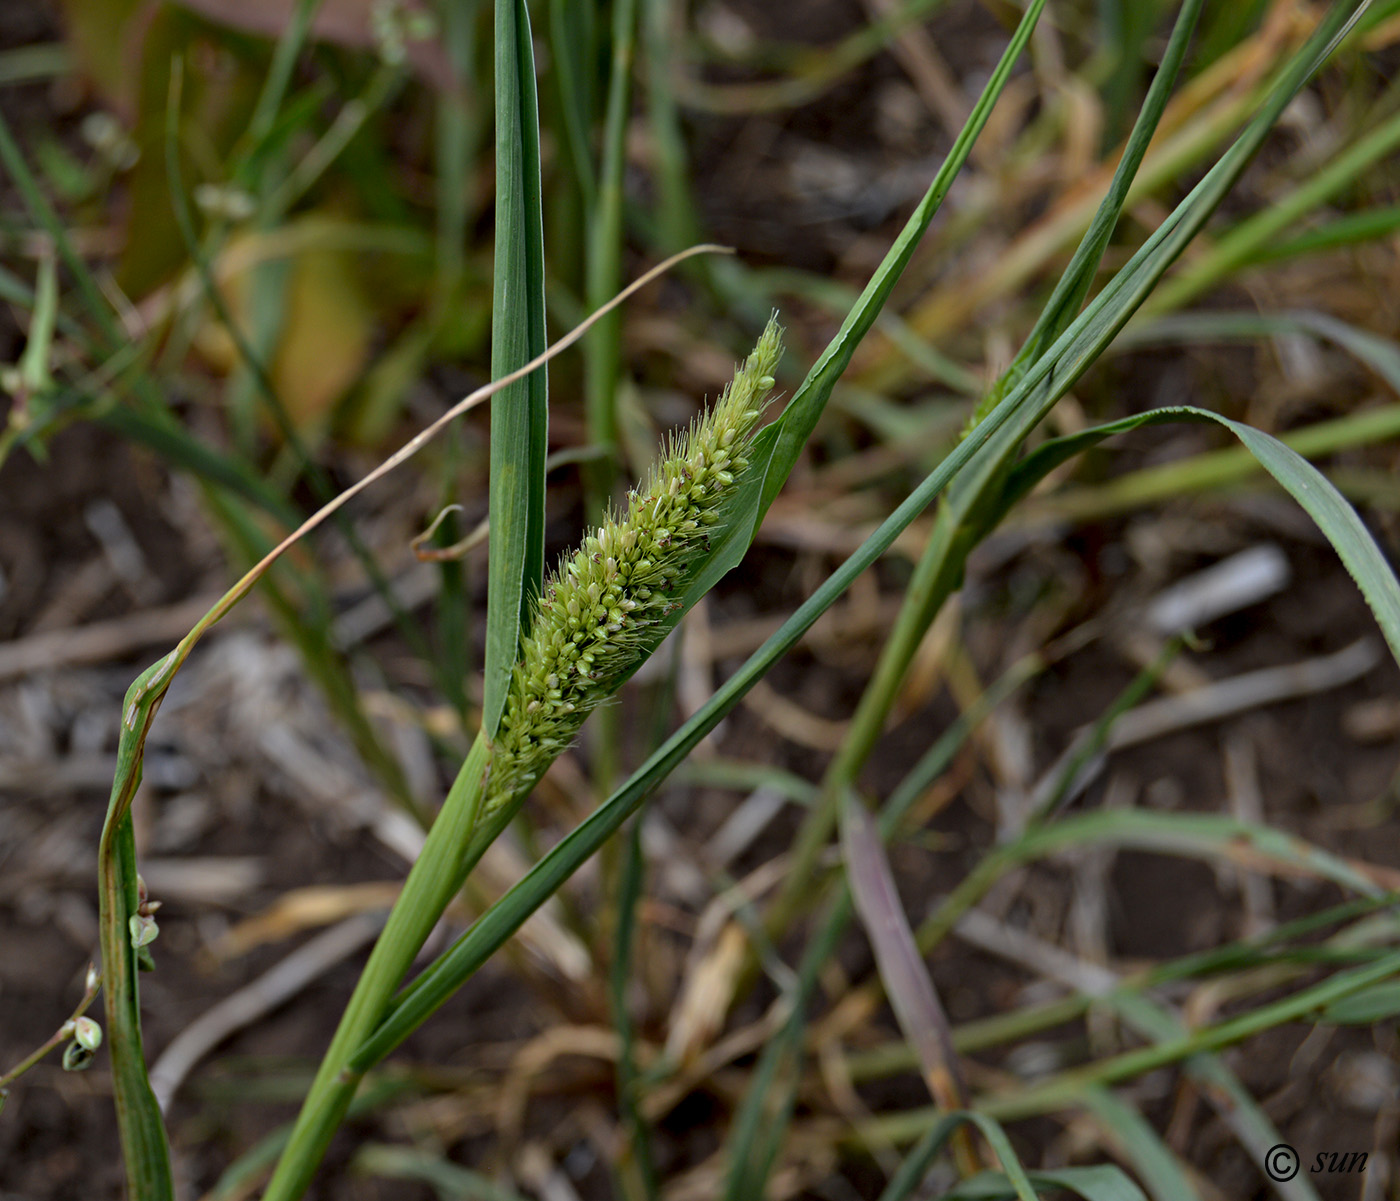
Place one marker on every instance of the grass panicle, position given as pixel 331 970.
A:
pixel 602 608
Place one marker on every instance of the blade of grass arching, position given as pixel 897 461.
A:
pixel 1240 244
pixel 1216 468
pixel 1135 1139
pixel 519 414
pixel 962 518
pixel 1336 519
pixel 1237 1108
pixel 916 1165
pixel 907 1180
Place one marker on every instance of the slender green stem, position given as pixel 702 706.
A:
pixel 59 1036
pixel 431 884
pixel 937 576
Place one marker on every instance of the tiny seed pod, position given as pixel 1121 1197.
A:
pixel 87 1034
pixel 76 1058
pixel 144 930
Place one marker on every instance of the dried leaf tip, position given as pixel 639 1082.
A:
pixel 604 609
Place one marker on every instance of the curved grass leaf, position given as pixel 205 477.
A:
pixel 915 1166
pixel 1136 1140
pixel 1337 520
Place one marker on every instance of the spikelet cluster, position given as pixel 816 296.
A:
pixel 604 608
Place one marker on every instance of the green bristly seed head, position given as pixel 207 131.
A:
pixel 604 606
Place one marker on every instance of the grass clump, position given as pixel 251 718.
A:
pixel 603 608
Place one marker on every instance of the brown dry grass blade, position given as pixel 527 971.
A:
pixel 907 982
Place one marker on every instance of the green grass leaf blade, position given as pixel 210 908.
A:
pixel 520 413
pixel 1365 1008
pixel 1155 1163
pixel 915 1166
pixel 1337 520
pixel 789 434
pixel 777 447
